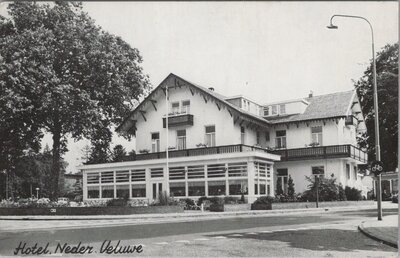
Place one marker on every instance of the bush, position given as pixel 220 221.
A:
pixel 352 194
pixel 217 200
pixel 165 200
pixel 264 200
pixel 117 202
pixel 202 199
pixel 328 190
pixel 188 203
pixel 231 200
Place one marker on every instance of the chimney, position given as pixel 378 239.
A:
pixel 211 88
pixel 310 95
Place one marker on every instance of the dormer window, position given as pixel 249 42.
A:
pixel 274 110
pixel 266 111
pixel 282 109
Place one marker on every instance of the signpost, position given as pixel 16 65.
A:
pixel 377 169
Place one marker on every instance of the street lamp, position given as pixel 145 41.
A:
pixel 37 192
pixel 375 90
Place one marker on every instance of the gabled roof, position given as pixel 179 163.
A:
pixel 207 93
pixel 332 105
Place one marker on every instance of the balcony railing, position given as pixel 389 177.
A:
pixel 196 152
pixel 323 152
pixel 178 120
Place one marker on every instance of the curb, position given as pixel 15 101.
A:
pixel 187 215
pixel 370 235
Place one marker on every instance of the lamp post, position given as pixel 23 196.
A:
pixel 375 92
pixel 167 130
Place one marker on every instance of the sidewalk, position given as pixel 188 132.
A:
pixel 385 231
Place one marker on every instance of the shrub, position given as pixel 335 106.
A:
pixel 264 200
pixel 231 200
pixel 136 203
pixel 290 187
pixel 217 200
pixel 188 203
pixel 165 200
pixel 202 199
pixel 352 194
pixel 120 202
pixel 279 189
pixel 328 190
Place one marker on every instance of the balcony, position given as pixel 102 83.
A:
pixel 178 120
pixel 323 152
pixel 196 152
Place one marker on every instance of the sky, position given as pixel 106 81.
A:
pixel 267 51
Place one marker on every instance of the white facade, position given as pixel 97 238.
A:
pixel 209 133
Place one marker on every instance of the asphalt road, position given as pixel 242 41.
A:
pixel 326 234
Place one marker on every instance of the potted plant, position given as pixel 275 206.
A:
pixel 201 145
pixel 262 203
pixel 144 151
pixel 217 204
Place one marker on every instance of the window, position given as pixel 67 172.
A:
pixel 318 171
pixel 139 175
pixel 283 177
pixel 210 136
pixel 355 173
pixel 122 191
pixel 267 136
pixel 236 187
pixel 138 190
pixel 242 135
pixel 122 176
pixel 177 173
pixel 258 137
pixel 93 178
pixel 244 104
pixel 263 184
pixel 175 107
pixel 181 139
pixel 282 109
pixel 216 188
pixel 177 189
pixel 107 191
pixel 274 110
pixel 186 107
pixel 155 142
pixel 216 170
pixel 156 172
pixel 93 192
pixel 266 111
pixel 280 140
pixel 348 171
pixel 237 169
pixel 197 188
pixel 316 135
pixel 107 177
pixel 195 172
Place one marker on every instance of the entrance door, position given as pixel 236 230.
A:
pixel 157 189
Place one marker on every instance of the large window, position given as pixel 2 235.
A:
pixel 107 191
pixel 316 135
pixel 155 142
pixel 266 111
pixel 122 176
pixel 274 110
pixel 181 139
pixel 122 191
pixel 210 136
pixel 283 177
pixel 107 177
pixel 93 192
pixel 177 189
pixel 197 188
pixel 216 188
pixel 348 171
pixel 318 171
pixel 263 184
pixel 267 136
pixel 237 187
pixel 93 178
pixel 185 107
pixel 138 191
pixel 280 140
pixel 355 172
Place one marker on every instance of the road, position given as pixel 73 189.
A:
pixel 324 234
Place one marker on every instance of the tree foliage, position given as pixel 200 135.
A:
pixel 118 153
pixel 65 75
pixel 290 187
pixel 279 189
pixel 387 84
pixel 328 190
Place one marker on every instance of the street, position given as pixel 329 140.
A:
pixel 322 234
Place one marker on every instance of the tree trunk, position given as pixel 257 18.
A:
pixel 55 169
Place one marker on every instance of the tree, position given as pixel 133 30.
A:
pixel 118 153
pixel 77 78
pixel 279 189
pixel 290 187
pixel 387 84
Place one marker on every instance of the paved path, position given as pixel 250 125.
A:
pixel 385 230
